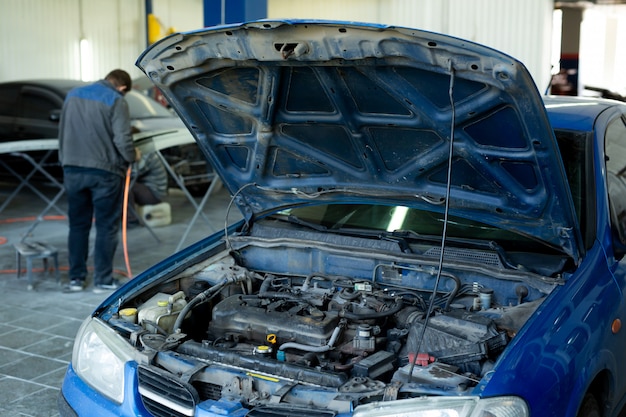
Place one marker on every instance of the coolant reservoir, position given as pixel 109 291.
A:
pixel 162 309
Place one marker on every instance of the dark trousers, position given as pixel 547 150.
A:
pixel 93 194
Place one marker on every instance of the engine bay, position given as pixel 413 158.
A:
pixel 252 324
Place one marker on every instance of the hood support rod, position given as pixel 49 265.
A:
pixel 445 221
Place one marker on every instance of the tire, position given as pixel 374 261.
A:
pixel 589 407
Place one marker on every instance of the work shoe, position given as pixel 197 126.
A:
pixel 100 288
pixel 75 285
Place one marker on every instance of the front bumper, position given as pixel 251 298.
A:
pixel 78 398
pixel 65 409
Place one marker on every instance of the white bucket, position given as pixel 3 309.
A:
pixel 156 215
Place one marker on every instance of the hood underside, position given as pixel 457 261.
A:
pixel 290 112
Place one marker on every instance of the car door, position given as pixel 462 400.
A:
pixel 38 113
pixel 613 126
pixel 615 148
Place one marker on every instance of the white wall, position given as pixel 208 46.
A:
pixel 41 38
pixel 603 48
pixel 521 28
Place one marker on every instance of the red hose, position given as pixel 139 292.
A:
pixel 124 221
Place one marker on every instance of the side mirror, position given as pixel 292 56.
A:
pixel 55 115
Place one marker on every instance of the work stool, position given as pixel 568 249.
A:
pixel 36 250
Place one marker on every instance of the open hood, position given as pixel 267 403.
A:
pixel 294 111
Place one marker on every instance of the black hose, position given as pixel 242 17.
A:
pixel 376 315
pixel 204 296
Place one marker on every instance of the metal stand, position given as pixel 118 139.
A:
pixel 19 149
pixel 36 250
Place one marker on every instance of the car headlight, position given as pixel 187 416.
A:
pixel 446 407
pixel 99 356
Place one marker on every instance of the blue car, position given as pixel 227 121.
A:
pixel 423 234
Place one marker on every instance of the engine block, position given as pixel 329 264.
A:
pixel 253 318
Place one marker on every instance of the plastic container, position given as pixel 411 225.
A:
pixel 128 314
pixel 486 295
pixel 156 215
pixel 162 309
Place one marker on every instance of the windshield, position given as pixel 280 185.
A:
pixel 348 218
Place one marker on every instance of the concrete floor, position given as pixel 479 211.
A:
pixel 37 327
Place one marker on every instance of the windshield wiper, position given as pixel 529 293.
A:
pixel 488 245
pixel 357 232
pixel 404 237
pixel 311 225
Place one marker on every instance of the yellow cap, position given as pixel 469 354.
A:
pixel 128 311
pixel 162 303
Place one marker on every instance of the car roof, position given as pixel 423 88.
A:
pixel 60 86
pixel 575 112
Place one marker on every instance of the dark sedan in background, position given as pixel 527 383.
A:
pixel 31 110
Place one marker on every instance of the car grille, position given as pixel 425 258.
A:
pixel 163 395
pixel 208 391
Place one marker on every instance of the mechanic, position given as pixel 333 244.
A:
pixel 95 150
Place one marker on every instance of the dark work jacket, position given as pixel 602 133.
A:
pixel 94 131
